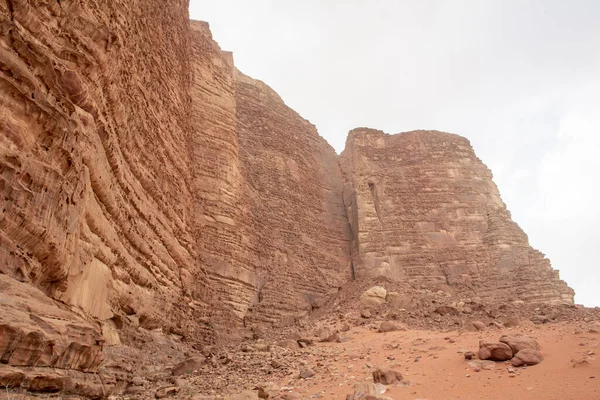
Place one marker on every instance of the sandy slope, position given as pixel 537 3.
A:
pixel 434 368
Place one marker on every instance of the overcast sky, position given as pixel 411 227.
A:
pixel 520 79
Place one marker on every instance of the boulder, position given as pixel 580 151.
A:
pixel 386 376
pixel 480 326
pixel 389 326
pixel 527 357
pixel 362 390
pixel 306 373
pixel 188 366
pixel 288 344
pixel 247 395
pixel 374 296
pixel 333 338
pixel 446 310
pixel 519 342
pixel 494 351
pixel 268 390
pixel 166 391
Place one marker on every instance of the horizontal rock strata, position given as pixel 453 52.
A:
pixel 146 183
pixel 424 210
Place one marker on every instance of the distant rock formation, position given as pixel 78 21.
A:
pixel 424 210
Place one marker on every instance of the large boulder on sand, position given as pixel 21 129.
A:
pixel 527 357
pixel 519 342
pixel 374 296
pixel 495 351
pixel 389 326
pixel 386 376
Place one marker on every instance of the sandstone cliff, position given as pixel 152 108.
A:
pixel 126 192
pixel 271 227
pixel 147 184
pixel 424 210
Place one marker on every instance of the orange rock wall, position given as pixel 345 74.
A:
pixel 145 182
pixel 125 193
pixel 424 210
pixel 296 232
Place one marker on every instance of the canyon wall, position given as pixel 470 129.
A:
pixel 147 183
pixel 425 211
pixel 272 233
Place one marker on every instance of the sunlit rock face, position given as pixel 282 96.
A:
pixel 424 210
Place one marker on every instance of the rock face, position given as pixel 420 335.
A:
pixel 147 183
pixel 272 233
pixel 424 210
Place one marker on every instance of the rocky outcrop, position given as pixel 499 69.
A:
pixel 424 210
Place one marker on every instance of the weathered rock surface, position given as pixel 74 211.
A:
pixel 147 183
pixel 386 376
pixel 527 356
pixel 424 210
pixel 374 296
pixel 494 351
pixel 390 326
pixel 271 224
pixel 520 342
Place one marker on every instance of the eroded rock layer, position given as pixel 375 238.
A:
pixel 147 185
pixel 271 227
pixel 424 210
pixel 296 233
pixel 125 193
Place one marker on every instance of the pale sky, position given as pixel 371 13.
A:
pixel 520 79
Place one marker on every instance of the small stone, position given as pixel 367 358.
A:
pixel 166 391
pixel 389 326
pixel 188 366
pixel 446 310
pixel 306 373
pixel 480 326
pixel 268 390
